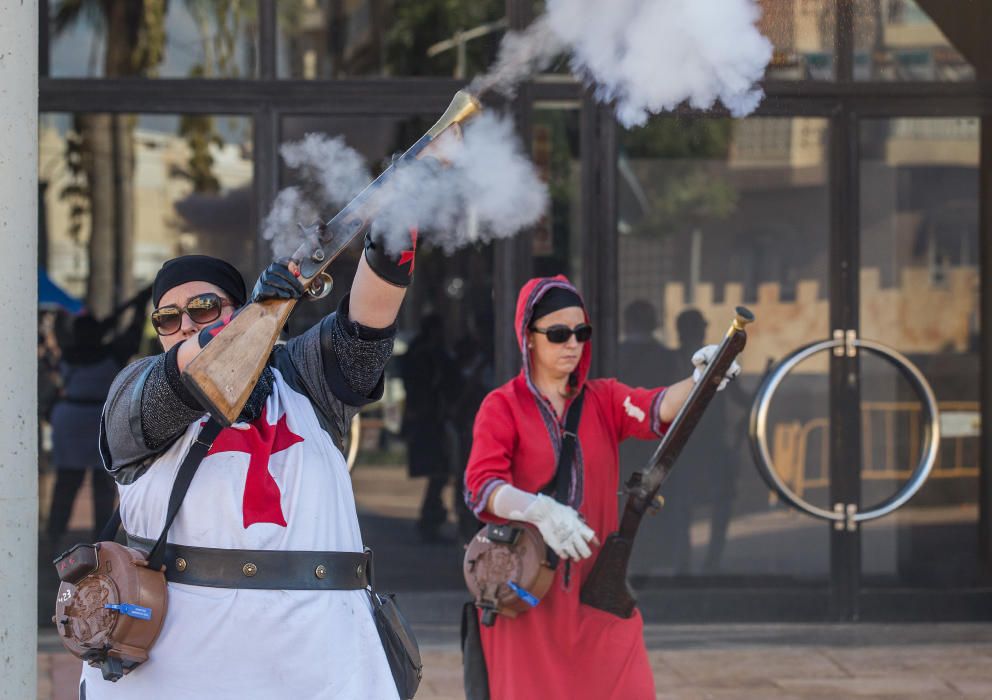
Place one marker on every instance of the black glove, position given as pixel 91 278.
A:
pixel 395 269
pixel 276 282
pixel 211 331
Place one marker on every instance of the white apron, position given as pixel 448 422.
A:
pixel 278 483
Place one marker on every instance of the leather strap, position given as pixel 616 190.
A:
pixel 561 484
pixel 264 569
pixel 197 451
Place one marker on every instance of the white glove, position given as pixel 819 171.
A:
pixel 701 360
pixel 562 527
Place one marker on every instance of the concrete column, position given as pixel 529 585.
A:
pixel 18 354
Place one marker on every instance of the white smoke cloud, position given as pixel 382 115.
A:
pixel 647 55
pixel 521 54
pixel 331 174
pixel 486 189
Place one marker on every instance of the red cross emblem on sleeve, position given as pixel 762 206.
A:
pixel 409 256
pixel 262 501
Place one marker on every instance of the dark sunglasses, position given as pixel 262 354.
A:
pixel 561 333
pixel 203 308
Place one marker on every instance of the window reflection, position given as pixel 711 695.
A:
pixel 897 40
pixel 123 193
pixel 555 151
pixel 188 39
pixel 714 213
pixel 345 38
pixel 919 291
pixel 802 32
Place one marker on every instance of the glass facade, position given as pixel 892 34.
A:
pixel 899 40
pixel 851 201
pixel 122 193
pixel 152 39
pixel 919 295
pixel 803 34
pixel 713 214
pixel 321 39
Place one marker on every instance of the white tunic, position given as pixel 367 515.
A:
pixel 222 643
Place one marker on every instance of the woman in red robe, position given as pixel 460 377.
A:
pixel 561 649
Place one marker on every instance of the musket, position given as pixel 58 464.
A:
pixel 223 374
pixel 606 587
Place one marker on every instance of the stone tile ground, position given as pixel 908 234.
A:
pixel 733 662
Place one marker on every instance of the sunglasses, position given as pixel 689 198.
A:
pixel 203 308
pixel 560 333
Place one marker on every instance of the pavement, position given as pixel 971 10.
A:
pixel 732 662
pixel 690 662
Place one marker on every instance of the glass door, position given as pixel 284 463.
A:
pixel 715 213
pixel 919 294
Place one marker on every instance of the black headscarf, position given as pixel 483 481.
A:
pixel 555 299
pixel 199 268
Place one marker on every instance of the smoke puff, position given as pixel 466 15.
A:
pixel 486 188
pixel 281 226
pixel 651 55
pixel 338 170
pixel 647 55
pixel 489 189
pixel 521 53
pixel 331 174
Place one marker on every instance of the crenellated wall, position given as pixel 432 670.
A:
pixel 918 316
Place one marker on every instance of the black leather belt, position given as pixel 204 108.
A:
pixel 262 568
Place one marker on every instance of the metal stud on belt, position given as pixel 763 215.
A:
pixel 249 569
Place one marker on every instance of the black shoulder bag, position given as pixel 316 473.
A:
pixel 398 640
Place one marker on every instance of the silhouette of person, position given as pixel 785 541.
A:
pixel 644 361
pixel 90 361
pixel 706 469
pixel 474 360
pixel 427 380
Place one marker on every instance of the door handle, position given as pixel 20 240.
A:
pixel 845 343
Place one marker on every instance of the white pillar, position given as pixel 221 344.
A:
pixel 18 354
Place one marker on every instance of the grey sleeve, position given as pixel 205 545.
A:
pixel 146 410
pixel 339 365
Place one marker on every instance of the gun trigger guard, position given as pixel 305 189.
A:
pixel 320 287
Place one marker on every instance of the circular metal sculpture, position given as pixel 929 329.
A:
pixel 759 429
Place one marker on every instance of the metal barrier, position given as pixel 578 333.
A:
pixel 759 429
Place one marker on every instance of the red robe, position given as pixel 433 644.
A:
pixel 561 649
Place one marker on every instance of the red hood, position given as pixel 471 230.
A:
pixel 530 293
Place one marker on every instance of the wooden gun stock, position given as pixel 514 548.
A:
pixel 606 587
pixel 224 373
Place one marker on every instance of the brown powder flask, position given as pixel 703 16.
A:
pixel 115 639
pixel 506 569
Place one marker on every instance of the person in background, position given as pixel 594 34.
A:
pixel 426 370
pixel 561 649
pixel 90 361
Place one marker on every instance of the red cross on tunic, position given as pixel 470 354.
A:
pixel 262 500
pixel 407 256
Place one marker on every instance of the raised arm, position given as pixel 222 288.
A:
pixel 679 392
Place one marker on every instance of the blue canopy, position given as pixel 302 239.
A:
pixel 50 295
